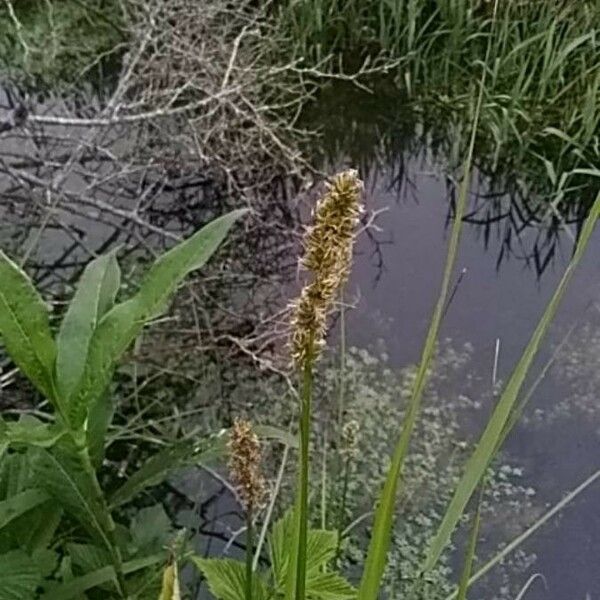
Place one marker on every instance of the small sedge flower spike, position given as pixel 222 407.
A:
pixel 328 245
pixel 244 464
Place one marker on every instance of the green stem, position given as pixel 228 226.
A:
pixel 249 553
pixel 111 545
pixel 306 400
pixel 342 512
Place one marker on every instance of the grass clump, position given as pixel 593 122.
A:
pixel 57 43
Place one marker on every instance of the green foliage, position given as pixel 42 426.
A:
pixel 56 43
pixel 226 577
pixel 540 122
pixel 95 296
pixel 19 576
pixel 494 431
pixel 25 328
pixel 123 323
pixel 57 533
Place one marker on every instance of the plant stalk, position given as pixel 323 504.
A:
pixel 306 401
pixel 342 510
pixel 249 553
pixel 115 555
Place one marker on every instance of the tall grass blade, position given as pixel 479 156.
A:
pixel 463 586
pixel 384 514
pixel 520 539
pixel 488 443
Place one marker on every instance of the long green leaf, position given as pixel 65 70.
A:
pixel 95 296
pixel 20 504
pixel 488 443
pixel 464 583
pixel 100 417
pixel 30 431
pixel 162 464
pixel 60 473
pixel 97 578
pixel 76 587
pixel 384 514
pixel 121 325
pixel 521 538
pixel 25 328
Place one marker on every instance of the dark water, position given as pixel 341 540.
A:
pixel 396 279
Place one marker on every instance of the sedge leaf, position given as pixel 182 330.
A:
pixel 493 433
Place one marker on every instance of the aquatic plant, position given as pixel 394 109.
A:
pixel 540 122
pixel 328 256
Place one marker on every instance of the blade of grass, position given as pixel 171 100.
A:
pixel 464 584
pixel 500 556
pixel 384 514
pixel 488 443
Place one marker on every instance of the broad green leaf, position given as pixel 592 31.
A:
pixel 151 530
pixel 87 557
pixel 121 325
pixel 329 586
pixel 170 584
pixel 77 586
pixel 321 548
pixel 21 503
pixel 25 328
pixel 95 296
pixel 19 576
pixel 30 431
pixel 279 547
pixel 16 474
pixel 60 472
pixel 162 464
pixel 226 578
pixel 493 433
pixel 32 530
pixel 98 578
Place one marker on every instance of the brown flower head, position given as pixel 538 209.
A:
pixel 328 244
pixel 244 464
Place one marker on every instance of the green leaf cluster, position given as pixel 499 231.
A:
pixel 58 537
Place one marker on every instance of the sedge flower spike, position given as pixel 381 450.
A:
pixel 244 464
pixel 328 245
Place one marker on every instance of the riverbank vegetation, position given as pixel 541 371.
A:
pixel 156 444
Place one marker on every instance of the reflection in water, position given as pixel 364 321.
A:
pixel 516 191
pixel 396 288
